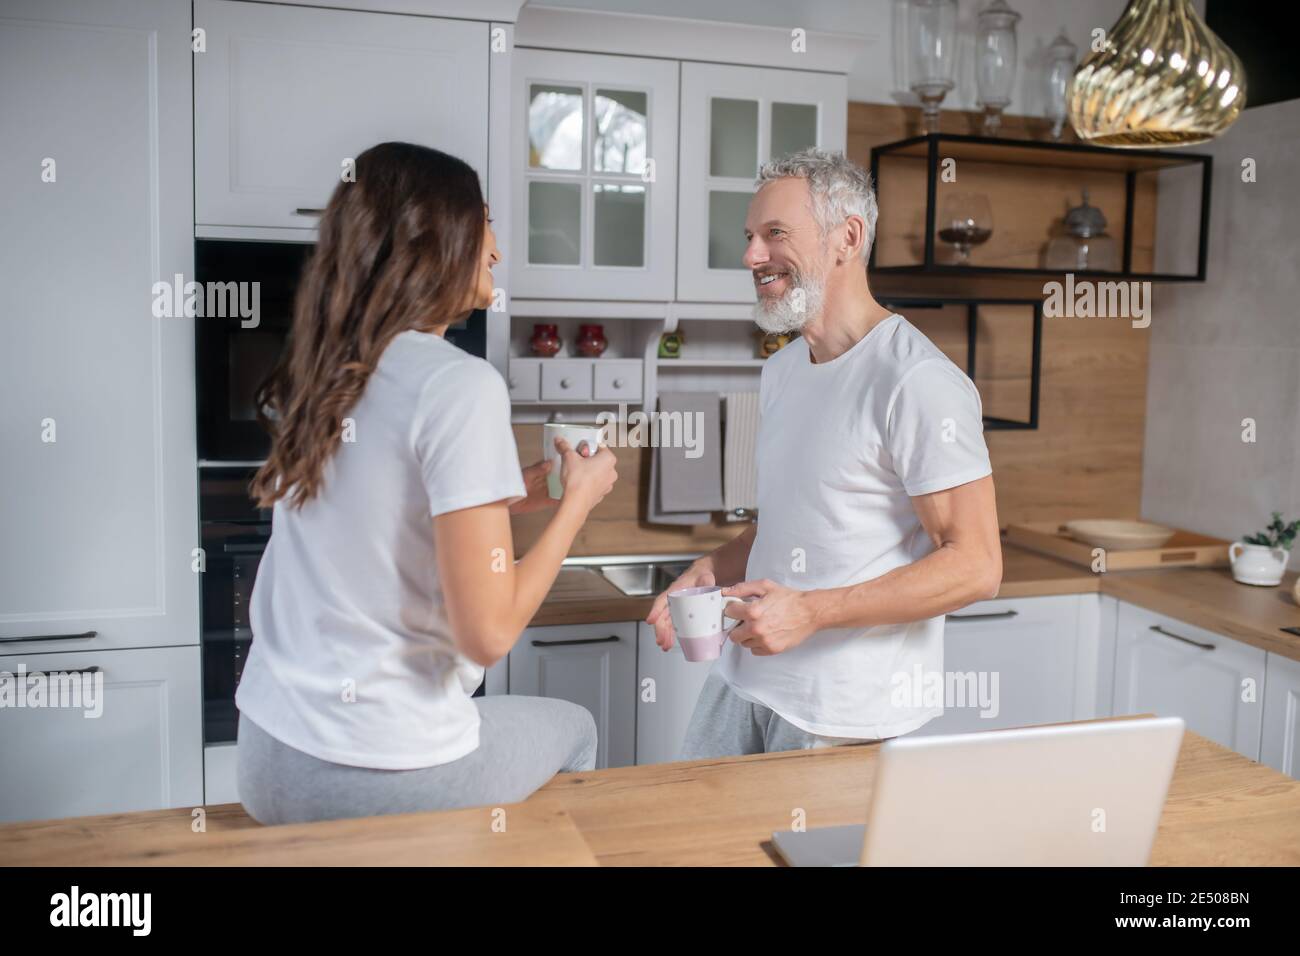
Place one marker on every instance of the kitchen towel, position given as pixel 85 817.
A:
pixel 654 515
pixel 739 465
pixel 689 453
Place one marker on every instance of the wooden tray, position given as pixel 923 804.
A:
pixel 1185 549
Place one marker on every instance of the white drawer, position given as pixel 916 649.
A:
pixel 617 380
pixel 566 380
pixel 525 379
pixel 127 733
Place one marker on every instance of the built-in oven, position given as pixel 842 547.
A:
pixel 233 355
pixel 234 533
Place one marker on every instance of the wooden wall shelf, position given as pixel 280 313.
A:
pixel 916 162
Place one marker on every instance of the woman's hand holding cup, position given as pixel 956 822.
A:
pixel 588 477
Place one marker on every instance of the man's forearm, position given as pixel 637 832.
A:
pixel 727 563
pixel 943 581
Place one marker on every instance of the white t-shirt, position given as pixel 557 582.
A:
pixel 842 448
pixel 352 658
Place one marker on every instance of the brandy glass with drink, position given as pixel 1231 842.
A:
pixel 965 220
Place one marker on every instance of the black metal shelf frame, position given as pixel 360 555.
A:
pixel 933 143
pixel 901 304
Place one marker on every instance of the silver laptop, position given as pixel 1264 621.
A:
pixel 1069 795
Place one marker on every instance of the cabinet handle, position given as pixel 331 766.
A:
pixel 512 383
pixel 306 211
pixel 93 669
pixel 991 615
pixel 50 637
pixel 588 640
pixel 618 383
pixel 1178 637
pixel 565 382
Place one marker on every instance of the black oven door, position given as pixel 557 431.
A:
pixel 234 355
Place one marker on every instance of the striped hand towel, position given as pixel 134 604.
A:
pixel 740 450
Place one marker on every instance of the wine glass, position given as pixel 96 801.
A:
pixel 965 220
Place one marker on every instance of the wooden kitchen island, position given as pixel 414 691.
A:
pixel 1223 809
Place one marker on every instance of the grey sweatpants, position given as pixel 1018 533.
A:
pixel 724 724
pixel 523 742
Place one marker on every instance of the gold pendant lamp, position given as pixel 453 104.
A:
pixel 1162 78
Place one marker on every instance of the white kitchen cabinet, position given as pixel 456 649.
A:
pixel 1019 662
pixel 221 773
pixel 98 515
pixel 1173 669
pixel 1107 629
pixel 594 150
pixel 593 665
pixel 1280 744
pixel 668 685
pixel 283 96
pixel 733 119
pixel 127 735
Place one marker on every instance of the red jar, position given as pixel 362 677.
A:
pixel 545 341
pixel 591 341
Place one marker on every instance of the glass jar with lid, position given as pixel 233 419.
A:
pixel 1085 247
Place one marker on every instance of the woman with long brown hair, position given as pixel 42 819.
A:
pixel 389 584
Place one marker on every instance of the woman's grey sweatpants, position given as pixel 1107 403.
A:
pixel 523 742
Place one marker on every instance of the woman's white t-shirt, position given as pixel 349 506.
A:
pixel 352 658
pixel 843 446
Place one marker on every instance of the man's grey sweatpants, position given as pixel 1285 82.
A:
pixel 523 742
pixel 724 724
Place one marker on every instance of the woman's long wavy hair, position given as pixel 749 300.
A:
pixel 399 249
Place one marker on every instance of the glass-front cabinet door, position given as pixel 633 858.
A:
pixel 595 188
pixel 733 119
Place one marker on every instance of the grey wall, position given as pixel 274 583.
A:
pixel 1229 349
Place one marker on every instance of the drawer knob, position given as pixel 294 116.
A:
pixel 513 383
pixel 564 382
pixel 618 383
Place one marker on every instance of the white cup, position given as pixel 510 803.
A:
pixel 699 622
pixel 575 435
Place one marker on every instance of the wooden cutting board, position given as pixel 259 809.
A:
pixel 1186 549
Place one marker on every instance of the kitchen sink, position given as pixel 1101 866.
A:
pixel 643 578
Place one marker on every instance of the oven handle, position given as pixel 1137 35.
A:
pixel 247 548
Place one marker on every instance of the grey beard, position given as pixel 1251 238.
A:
pixel 792 311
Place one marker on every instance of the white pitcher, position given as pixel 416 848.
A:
pixel 1257 564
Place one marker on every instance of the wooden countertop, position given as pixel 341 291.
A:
pixel 535 833
pixel 1206 597
pixel 581 596
pixel 1222 809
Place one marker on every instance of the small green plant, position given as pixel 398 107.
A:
pixel 1276 535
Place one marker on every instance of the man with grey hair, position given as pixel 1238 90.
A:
pixel 876 510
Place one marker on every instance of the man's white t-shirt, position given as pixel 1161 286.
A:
pixel 842 447
pixel 352 658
